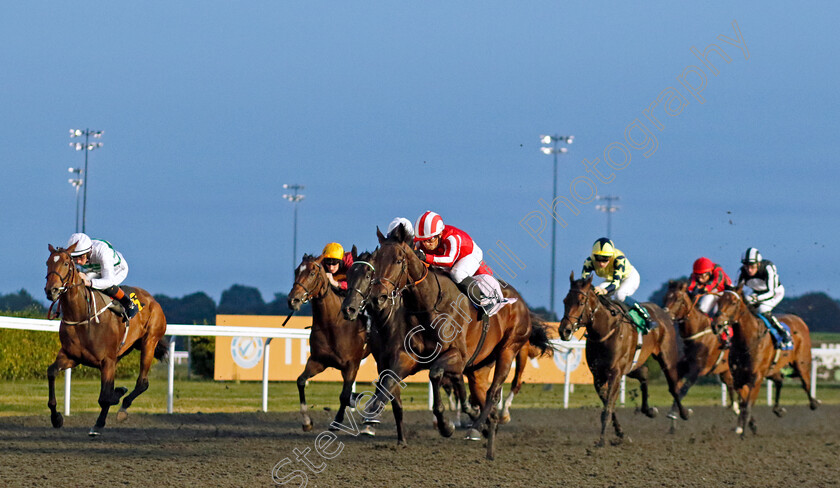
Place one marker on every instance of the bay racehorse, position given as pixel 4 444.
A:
pixel 449 338
pixel 95 336
pixel 334 341
pixel 612 349
pixel 702 351
pixel 753 356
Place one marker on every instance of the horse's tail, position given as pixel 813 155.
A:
pixel 539 337
pixel 162 349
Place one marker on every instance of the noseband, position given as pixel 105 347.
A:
pixel 65 280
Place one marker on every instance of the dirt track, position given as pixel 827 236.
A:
pixel 538 448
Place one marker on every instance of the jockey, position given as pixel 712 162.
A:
pixel 706 279
pixel 709 279
pixel 767 291
pixel 622 279
pixel 336 261
pixel 450 247
pixel 103 268
pixel 401 221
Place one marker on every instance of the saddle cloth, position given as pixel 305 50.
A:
pixel 777 338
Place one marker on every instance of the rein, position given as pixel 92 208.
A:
pixel 308 294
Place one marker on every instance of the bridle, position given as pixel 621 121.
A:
pixel 576 321
pixel 65 280
pixel 723 323
pixel 362 296
pixel 308 295
pixel 396 289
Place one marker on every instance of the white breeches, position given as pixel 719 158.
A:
pixel 467 265
pixel 769 305
pixel 708 304
pixel 627 287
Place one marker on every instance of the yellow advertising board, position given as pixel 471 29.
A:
pixel 240 358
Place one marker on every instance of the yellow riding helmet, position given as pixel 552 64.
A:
pixel 333 250
pixel 603 247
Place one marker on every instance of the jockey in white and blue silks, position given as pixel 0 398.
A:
pixel 103 268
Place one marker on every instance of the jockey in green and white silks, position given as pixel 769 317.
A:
pixel 103 268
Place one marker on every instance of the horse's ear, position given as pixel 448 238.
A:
pixel 52 249
pixel 379 235
pixel 682 285
pixel 572 277
pixel 589 279
pixel 72 248
pixel 354 252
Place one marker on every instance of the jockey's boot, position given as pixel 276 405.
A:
pixel 650 323
pixel 786 339
pixel 469 287
pixel 130 308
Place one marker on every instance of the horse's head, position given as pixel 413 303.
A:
pixel 676 301
pixel 730 306
pixel 310 282
pixel 359 282
pixel 576 305
pixel 391 276
pixel 61 272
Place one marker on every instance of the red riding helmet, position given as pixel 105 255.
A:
pixel 703 265
pixel 428 225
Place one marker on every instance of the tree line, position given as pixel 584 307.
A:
pixel 817 309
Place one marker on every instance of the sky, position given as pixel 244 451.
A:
pixel 386 109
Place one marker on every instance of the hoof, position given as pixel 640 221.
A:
pixel 118 393
pixel 448 429
pixel 672 415
pixel 372 421
pixel 651 412
pixel 94 432
pixel 600 443
pixel 473 435
pixel 332 428
pixel 815 403
pixel 780 411
pixel 505 419
pixel 739 430
pixel 306 427
pixel 122 415
pixel 57 420
pixel 368 430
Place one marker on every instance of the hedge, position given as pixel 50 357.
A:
pixel 26 354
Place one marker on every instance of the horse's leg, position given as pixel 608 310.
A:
pixel 515 384
pixel 726 378
pixel 396 406
pixel 641 374
pixel 494 393
pixel 147 357
pixel 667 359
pixel 312 368
pixel 489 397
pixel 689 377
pixel 107 394
pixel 602 388
pixel 61 363
pixel 461 401
pixel 802 366
pixel 777 385
pixel 479 384
pixel 613 383
pixel 349 376
pixel 445 428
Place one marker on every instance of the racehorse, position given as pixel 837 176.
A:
pixel 96 337
pixel 753 356
pixel 612 351
pixel 702 353
pixel 334 342
pixel 449 338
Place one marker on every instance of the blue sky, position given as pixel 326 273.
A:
pixel 387 109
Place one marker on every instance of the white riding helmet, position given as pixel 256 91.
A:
pixel 82 242
pixel 428 225
pixel 401 221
